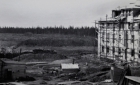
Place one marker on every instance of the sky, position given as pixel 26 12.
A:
pixel 43 13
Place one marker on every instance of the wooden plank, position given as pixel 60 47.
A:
pixel 133 78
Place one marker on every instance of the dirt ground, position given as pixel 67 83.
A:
pixel 91 68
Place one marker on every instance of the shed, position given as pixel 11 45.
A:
pixel 11 70
pixel 70 68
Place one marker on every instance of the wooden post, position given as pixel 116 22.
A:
pixel 20 54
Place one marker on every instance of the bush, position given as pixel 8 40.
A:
pixel 135 71
pixel 57 42
pixel 92 70
pixel 27 78
pixel 47 78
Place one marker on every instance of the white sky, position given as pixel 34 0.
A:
pixel 28 13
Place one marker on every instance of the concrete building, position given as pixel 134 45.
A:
pixel 11 70
pixel 119 36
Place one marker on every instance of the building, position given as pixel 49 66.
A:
pixel 70 68
pixel 119 36
pixel 11 70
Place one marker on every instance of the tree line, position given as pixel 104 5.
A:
pixel 84 31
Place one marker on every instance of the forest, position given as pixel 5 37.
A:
pixel 81 31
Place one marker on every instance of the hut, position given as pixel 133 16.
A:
pixel 11 70
pixel 70 68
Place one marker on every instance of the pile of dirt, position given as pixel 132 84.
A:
pixel 39 57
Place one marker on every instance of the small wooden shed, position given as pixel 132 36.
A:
pixel 11 70
pixel 70 68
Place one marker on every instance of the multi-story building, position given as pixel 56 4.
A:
pixel 119 36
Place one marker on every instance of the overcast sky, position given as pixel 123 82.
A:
pixel 32 13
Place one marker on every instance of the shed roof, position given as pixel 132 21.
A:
pixel 8 61
pixel 69 66
pixel 69 82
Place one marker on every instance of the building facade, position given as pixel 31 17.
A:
pixel 119 36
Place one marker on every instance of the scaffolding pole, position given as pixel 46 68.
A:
pixel 106 35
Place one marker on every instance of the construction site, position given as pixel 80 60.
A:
pixel 119 37
pixel 108 56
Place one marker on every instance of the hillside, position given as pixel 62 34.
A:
pixel 57 40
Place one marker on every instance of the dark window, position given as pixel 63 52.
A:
pixel 125 51
pixel 113 49
pixel 129 25
pixel 119 51
pixel 119 40
pixel 132 52
pixel 107 49
pixel 139 54
pixel 102 48
pixel 132 38
pixel 107 37
pixel 113 38
pixel 122 26
pixel 103 34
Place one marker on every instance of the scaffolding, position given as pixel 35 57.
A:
pixel 123 46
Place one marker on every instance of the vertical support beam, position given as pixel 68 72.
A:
pixel 106 35
pixel 119 27
pixel 126 47
pixel 126 40
pixel 113 40
pixel 133 36
pixel 100 39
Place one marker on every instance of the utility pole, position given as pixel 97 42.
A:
pixel 19 54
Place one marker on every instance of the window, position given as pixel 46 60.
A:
pixel 102 48
pixel 129 25
pixel 103 34
pixel 113 38
pixel 119 40
pixel 107 37
pixel 132 52
pixel 132 38
pixel 122 25
pixel 139 26
pixel 113 50
pixel 139 53
pixel 107 49
pixel 119 51
pixel 139 41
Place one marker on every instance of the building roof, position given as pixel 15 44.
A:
pixel 138 17
pixel 70 66
pixel 68 82
pixel 133 5
pixel 8 61
pixel 133 78
pixel 76 82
